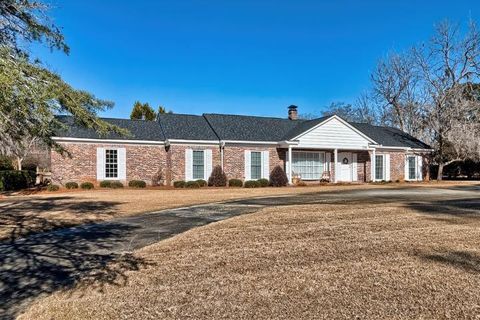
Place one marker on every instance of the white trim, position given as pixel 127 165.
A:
pixel 207 164
pixel 387 169
pixel 384 167
pixel 100 164
pixel 265 164
pixel 122 164
pixel 112 141
pixel 192 142
pixel 188 164
pixel 250 142
pixel 248 168
pixel 354 166
pixel 418 167
pixel 342 121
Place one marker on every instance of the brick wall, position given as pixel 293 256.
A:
pixel 176 159
pixel 143 162
pixel 234 159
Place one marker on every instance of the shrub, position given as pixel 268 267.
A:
pixel 179 184
pixel 202 183
pixel 6 163
pixel 137 184
pixel 263 182
pixel 192 185
pixel 16 180
pixel 86 185
pixel 278 177
pixel 301 183
pixel 116 185
pixel 218 178
pixel 252 184
pixel 71 185
pixel 157 179
pixel 235 183
pixel 105 184
pixel 53 187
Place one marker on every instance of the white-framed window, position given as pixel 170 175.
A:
pixel 412 168
pixel 198 162
pixel 111 163
pixel 255 165
pixel 379 167
pixel 308 165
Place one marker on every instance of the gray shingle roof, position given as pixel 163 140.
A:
pixel 249 128
pixel 186 127
pixel 139 130
pixel 214 127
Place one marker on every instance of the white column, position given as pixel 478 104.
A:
pixel 289 165
pixel 335 165
pixel 373 165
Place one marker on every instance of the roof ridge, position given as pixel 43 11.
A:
pixel 246 116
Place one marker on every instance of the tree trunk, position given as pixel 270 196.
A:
pixel 440 171
pixel 19 163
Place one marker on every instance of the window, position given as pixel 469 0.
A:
pixel 111 163
pixel 412 168
pixel 198 165
pixel 379 167
pixel 308 165
pixel 256 165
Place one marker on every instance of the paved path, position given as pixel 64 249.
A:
pixel 40 264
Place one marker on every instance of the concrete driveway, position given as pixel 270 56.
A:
pixel 40 264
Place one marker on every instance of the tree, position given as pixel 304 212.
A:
pixel 142 111
pixel 30 94
pixel 163 110
pixel 358 113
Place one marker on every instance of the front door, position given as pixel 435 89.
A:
pixel 345 166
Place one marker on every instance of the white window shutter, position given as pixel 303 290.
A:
pixel 247 165
pixel 188 164
pixel 207 156
pixel 265 164
pixel 406 167
pixel 387 167
pixel 122 163
pixel 354 167
pixel 100 164
pixel 419 168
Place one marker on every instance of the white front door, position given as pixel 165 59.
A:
pixel 345 166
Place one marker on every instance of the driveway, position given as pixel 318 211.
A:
pixel 42 263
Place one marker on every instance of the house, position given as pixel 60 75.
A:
pixel 187 147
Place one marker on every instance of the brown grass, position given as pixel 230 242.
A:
pixel 311 261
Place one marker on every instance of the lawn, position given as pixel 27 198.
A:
pixel 385 261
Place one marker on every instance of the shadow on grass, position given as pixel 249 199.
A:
pixel 42 263
pixel 460 208
pixel 459 259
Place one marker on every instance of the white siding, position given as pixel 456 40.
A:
pixel 100 164
pixel 333 134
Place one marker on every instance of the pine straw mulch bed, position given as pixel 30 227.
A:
pixel 313 261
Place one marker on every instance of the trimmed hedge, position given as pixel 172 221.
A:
pixel 202 183
pixel 263 183
pixel 252 184
pixel 278 177
pixel 179 184
pixel 218 178
pixel 111 184
pixel 192 185
pixel 235 183
pixel 71 185
pixel 16 180
pixel 53 187
pixel 137 184
pixel 87 185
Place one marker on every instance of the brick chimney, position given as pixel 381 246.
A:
pixel 292 112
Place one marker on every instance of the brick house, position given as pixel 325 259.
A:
pixel 187 147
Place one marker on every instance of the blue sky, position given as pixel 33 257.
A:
pixel 245 57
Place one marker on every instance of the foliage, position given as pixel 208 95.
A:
pixel 116 185
pixel 53 187
pixel 16 180
pixel 105 184
pixel 179 184
pixel 192 185
pixel 301 183
pixel 218 178
pixel 358 113
pixel 235 183
pixel 252 184
pixel 163 110
pixel 142 111
pixel 157 178
pixel 278 177
pixel 263 182
pixel 71 185
pixel 87 185
pixel 202 183
pixel 5 163
pixel 137 184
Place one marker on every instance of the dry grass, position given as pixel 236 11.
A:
pixel 311 261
